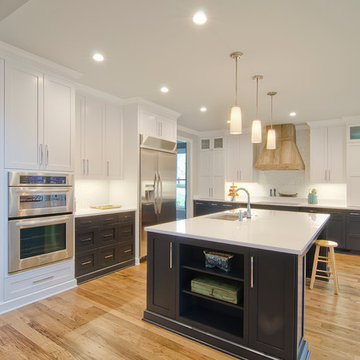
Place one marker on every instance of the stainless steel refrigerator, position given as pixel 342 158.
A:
pixel 157 185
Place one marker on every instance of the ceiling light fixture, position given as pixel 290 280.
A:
pixel 271 134
pixel 256 137
pixel 235 113
pixel 98 57
pixel 203 109
pixel 199 18
pixel 164 89
pixel 292 114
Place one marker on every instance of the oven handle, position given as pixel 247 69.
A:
pixel 31 223
pixel 44 191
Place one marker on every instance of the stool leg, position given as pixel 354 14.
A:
pixel 336 284
pixel 313 274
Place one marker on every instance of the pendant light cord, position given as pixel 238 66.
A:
pixel 271 112
pixel 257 98
pixel 236 82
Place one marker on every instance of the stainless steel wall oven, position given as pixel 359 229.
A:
pixel 40 223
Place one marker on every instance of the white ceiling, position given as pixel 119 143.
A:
pixel 307 50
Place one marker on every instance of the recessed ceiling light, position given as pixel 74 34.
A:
pixel 98 57
pixel 199 18
pixel 292 114
pixel 203 109
pixel 164 89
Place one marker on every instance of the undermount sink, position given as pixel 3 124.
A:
pixel 229 217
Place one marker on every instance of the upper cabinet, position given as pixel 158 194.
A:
pixel 39 120
pixel 239 158
pixel 212 168
pixel 327 154
pixel 157 123
pixel 99 138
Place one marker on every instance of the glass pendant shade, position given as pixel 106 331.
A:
pixel 256 137
pixel 271 139
pixel 235 120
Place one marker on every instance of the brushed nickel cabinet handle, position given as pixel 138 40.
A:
pixel 86 263
pixel 41 153
pixel 252 272
pixel 47 155
pixel 86 239
pixel 43 280
pixel 107 236
pixel 87 166
pixel 83 166
pixel 108 168
pixel 127 251
pixel 108 256
pixel 171 255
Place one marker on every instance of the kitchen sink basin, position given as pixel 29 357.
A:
pixel 229 217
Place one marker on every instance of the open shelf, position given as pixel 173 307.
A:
pixel 236 274
pixel 212 314
pixel 225 303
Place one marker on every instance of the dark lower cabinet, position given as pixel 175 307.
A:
pixel 265 323
pixel 272 303
pixel 210 207
pixel 103 244
pixel 353 231
pixel 161 279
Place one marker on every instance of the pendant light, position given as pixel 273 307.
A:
pixel 271 134
pixel 256 137
pixel 235 113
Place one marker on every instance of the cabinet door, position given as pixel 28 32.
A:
pixel 271 303
pixel 218 175
pixel 167 129
pixel 353 163
pixel 80 136
pixel 113 141
pixel 161 278
pixel 205 174
pixel 23 118
pixel 353 231
pixel 58 124
pixel 336 154
pixel 335 229
pixel 148 124
pixel 93 137
pixel 318 154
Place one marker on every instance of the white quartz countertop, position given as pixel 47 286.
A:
pixel 282 231
pixel 289 201
pixel 93 212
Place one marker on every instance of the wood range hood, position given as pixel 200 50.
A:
pixel 286 156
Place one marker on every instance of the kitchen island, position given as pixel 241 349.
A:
pixel 267 320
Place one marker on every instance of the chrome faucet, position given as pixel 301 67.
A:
pixel 248 213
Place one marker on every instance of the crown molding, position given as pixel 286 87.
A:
pixel 87 90
pixel 188 130
pixel 328 123
pixel 10 52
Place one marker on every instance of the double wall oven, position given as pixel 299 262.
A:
pixel 40 229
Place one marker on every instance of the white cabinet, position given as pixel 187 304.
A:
pixel 327 154
pixel 23 118
pixel 152 124
pixel 239 158
pixel 212 168
pixel 113 141
pixel 39 121
pixel 59 110
pixel 99 138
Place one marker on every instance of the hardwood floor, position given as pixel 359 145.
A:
pixel 101 319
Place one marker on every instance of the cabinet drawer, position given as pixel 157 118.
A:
pixel 35 280
pixel 85 263
pixel 126 231
pixel 108 256
pixel 109 220
pixel 107 236
pixel 84 240
pixel 85 222
pixel 126 251
pixel 127 217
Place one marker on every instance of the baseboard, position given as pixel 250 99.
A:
pixel 33 297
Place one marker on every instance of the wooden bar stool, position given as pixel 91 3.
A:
pixel 330 260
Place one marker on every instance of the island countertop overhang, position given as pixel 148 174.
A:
pixel 281 231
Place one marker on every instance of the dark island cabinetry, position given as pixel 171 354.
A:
pixel 103 244
pixel 266 322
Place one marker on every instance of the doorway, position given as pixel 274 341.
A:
pixel 181 180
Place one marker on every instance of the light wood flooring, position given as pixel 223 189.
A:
pixel 101 319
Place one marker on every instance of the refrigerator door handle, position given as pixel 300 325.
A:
pixel 161 192
pixel 155 194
